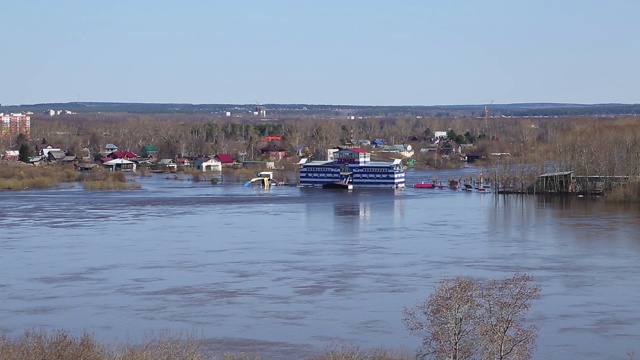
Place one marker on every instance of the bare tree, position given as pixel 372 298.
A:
pixel 502 323
pixel 466 318
pixel 448 320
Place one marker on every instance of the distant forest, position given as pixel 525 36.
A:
pixel 273 110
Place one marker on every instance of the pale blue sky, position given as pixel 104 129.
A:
pixel 321 52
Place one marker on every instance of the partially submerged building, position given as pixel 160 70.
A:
pixel 566 182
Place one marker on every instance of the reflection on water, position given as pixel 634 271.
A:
pixel 285 267
pixel 352 212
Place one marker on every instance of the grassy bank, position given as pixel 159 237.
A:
pixel 20 176
pixel 60 344
pixel 100 179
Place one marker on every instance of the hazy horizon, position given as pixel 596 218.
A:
pixel 311 104
pixel 361 53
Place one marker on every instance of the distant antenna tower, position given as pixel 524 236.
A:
pixel 486 116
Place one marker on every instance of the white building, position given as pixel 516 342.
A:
pixel 208 164
pixel 120 165
pixel 440 134
pixel 405 150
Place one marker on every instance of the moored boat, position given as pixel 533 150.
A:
pixel 353 166
pixel 424 185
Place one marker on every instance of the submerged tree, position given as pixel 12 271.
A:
pixel 466 318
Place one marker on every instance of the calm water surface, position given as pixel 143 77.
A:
pixel 291 268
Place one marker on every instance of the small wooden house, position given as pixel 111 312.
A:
pixel 127 155
pixel 109 148
pixel 183 162
pixel 120 165
pixel 56 156
pixel 11 155
pixel 166 165
pixel 275 152
pixel 206 163
pixel 148 151
pixel 225 159
pixel 557 182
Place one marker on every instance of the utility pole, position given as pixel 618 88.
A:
pixel 486 118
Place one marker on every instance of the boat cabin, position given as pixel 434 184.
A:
pixel 265 174
pixel 352 156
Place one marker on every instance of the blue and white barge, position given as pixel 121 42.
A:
pixel 353 166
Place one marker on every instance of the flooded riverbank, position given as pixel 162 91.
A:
pixel 291 267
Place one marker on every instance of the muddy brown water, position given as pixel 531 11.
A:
pixel 288 270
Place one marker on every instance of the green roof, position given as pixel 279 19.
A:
pixel 149 148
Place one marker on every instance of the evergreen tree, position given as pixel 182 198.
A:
pixel 21 139
pixel 470 138
pixel 25 152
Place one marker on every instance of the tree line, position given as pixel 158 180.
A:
pixel 585 145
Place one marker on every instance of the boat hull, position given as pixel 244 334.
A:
pixel 358 176
pixel 338 185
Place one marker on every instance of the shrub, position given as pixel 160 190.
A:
pixel 55 345
pixel 240 356
pixel 346 352
pixel 119 176
pixel 628 193
pixel 165 346
pixel 59 344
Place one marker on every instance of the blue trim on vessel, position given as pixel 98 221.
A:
pixel 353 167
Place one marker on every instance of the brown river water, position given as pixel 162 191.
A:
pixel 288 270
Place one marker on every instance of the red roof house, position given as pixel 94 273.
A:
pixel 275 152
pixel 224 158
pixel 183 162
pixel 127 155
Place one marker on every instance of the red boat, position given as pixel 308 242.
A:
pixel 424 185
